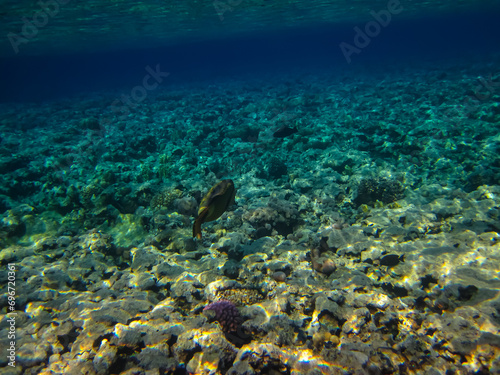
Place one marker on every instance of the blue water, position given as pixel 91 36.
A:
pixel 407 42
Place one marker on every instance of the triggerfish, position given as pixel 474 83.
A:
pixel 214 204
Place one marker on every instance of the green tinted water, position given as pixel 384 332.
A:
pixel 65 26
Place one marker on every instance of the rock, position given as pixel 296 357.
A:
pixel 110 315
pixel 356 320
pixel 187 288
pixel 302 185
pixel 64 241
pixel 187 345
pixel 168 270
pixel 372 253
pixel 184 244
pixel 105 357
pixel 380 301
pixel 143 280
pixel 12 225
pixel 157 358
pixel 186 206
pixel 127 335
pixel 204 362
pixel 55 277
pixel 324 304
pixel 231 269
pixel 279 276
pixel 144 258
pixel 31 354
pixel 15 254
pixel 241 368
pixel 96 241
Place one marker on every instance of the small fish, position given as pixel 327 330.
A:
pixel 391 260
pixel 284 131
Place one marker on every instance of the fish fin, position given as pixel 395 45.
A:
pixel 197 224
pixel 232 200
pixel 197 229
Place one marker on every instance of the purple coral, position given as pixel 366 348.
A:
pixel 226 313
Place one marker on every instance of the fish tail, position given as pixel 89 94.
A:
pixel 197 229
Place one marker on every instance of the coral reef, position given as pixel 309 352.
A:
pixel 227 314
pixel 382 189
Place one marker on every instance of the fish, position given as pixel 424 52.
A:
pixel 284 131
pixel 391 260
pixel 218 199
